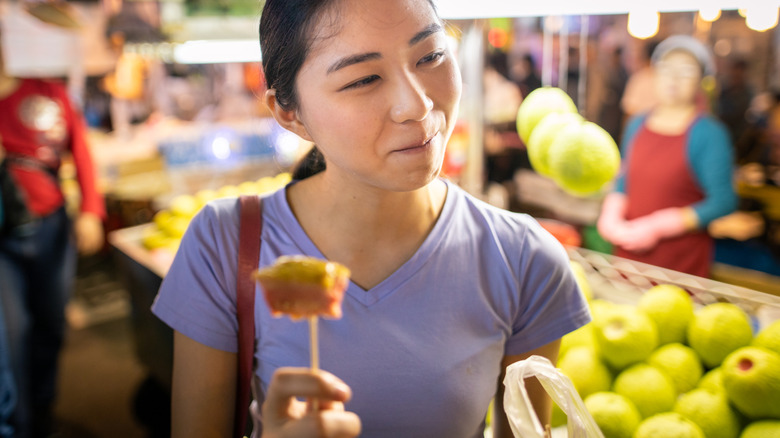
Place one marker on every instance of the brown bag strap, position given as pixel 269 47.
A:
pixel 248 260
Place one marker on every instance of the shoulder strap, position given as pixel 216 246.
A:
pixel 248 260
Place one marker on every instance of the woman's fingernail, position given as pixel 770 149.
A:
pixel 342 389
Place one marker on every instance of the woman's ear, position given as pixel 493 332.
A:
pixel 288 119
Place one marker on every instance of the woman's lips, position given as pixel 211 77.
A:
pixel 418 147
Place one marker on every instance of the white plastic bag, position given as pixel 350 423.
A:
pixel 517 405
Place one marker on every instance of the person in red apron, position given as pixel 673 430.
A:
pixel 678 167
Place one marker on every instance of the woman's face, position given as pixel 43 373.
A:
pixel 379 91
pixel 678 78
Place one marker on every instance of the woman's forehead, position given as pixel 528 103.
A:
pixel 365 22
pixel 681 56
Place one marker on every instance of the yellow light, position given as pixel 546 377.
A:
pixel 709 13
pixel 643 24
pixel 709 83
pixel 761 17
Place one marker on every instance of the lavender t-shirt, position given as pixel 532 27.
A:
pixel 421 350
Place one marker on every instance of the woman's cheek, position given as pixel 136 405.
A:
pixel 455 84
pixel 452 97
pixel 330 117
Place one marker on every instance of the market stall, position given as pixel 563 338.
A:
pixel 144 261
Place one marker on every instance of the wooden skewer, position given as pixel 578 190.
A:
pixel 314 352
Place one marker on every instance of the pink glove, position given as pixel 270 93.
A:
pixel 612 221
pixel 647 231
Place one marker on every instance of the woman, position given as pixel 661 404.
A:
pixel 445 291
pixel 678 170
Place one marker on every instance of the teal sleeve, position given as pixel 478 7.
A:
pixel 711 157
pixel 632 127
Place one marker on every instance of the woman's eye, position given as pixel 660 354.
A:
pixel 362 82
pixel 433 57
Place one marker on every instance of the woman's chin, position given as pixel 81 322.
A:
pixel 412 181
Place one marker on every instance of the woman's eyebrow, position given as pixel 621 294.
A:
pixel 370 56
pixel 425 33
pixel 353 59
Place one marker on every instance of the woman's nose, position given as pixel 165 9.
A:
pixel 410 101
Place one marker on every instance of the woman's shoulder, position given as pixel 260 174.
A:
pixel 215 226
pixel 221 210
pixel 637 121
pixel 708 133
pixel 506 225
pixel 709 123
pixel 228 209
pixel 633 125
pixel 222 216
pixel 517 236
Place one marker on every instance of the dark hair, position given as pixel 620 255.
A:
pixel 285 40
pixel 311 164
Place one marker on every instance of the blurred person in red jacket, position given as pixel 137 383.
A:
pixel 38 126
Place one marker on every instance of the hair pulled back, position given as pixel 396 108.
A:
pixel 285 39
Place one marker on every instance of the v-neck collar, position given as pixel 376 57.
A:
pixel 371 296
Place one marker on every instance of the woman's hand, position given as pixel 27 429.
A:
pixel 286 416
pixel 612 220
pixel 89 233
pixel 645 232
pixel 640 236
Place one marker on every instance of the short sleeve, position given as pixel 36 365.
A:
pixel 551 303
pixel 712 158
pixel 197 296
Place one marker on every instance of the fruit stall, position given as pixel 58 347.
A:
pixel 669 351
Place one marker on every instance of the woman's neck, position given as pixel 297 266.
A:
pixel 672 119
pixel 373 210
pixel 370 230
